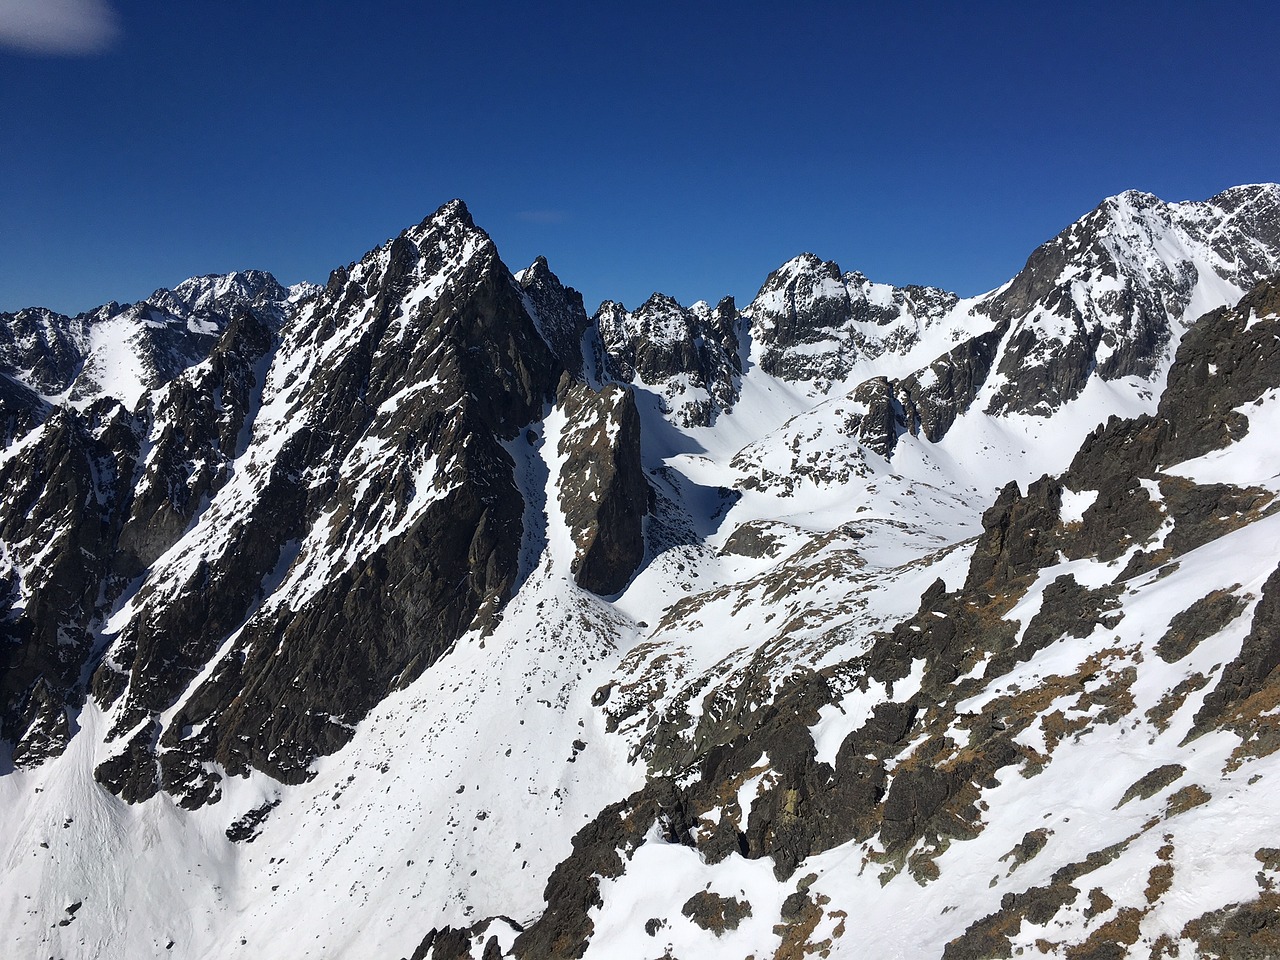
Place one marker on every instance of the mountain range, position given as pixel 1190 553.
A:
pixel 426 615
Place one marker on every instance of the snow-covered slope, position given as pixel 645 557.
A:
pixel 422 614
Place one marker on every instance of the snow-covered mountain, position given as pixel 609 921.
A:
pixel 424 614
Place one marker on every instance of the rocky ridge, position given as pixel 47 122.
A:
pixel 691 356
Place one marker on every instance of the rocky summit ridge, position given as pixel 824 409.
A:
pixel 424 614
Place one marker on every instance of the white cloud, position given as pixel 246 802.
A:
pixel 60 27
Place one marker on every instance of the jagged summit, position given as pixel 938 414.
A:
pixel 859 617
pixel 559 313
pixel 689 358
pixel 1110 295
pixel 452 210
pixel 814 324
pixel 220 290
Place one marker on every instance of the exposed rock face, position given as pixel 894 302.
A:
pixel 1198 622
pixel 386 468
pixel 900 783
pixel 805 806
pixel 754 539
pixel 1102 299
pixel 1017 534
pixel 60 518
pixel 558 311
pixel 872 417
pixel 123 351
pixel 83 481
pixel 453 943
pixel 603 491
pixel 1122 462
pixel 208 300
pixel 716 913
pixel 925 403
pixel 932 398
pixel 690 356
pixel 197 431
pixel 42 349
pixel 1251 672
pixel 1228 359
pixel 21 409
pixel 1153 782
pixel 360 448
pixel 1104 295
pixel 885 418
pixel 812 323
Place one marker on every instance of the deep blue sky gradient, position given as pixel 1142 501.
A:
pixel 690 148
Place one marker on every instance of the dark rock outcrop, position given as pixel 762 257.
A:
pixel 198 424
pixel 45 350
pixel 806 806
pixel 558 311
pixel 61 515
pixel 933 397
pixel 716 913
pixel 603 491
pixel 1226 360
pixel 21 410
pixel 1207 616
pixel 1017 534
pixel 810 322
pixel 885 419
pixel 416 543
pixel 482 365
pixel 1252 670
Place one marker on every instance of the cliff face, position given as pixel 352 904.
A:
pixel 603 492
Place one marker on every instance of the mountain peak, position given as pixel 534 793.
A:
pixel 558 312
pixel 1246 192
pixel 660 302
pixel 1133 198
pixel 803 265
pixel 203 292
pixel 454 211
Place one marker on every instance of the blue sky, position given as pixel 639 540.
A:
pixel 689 148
